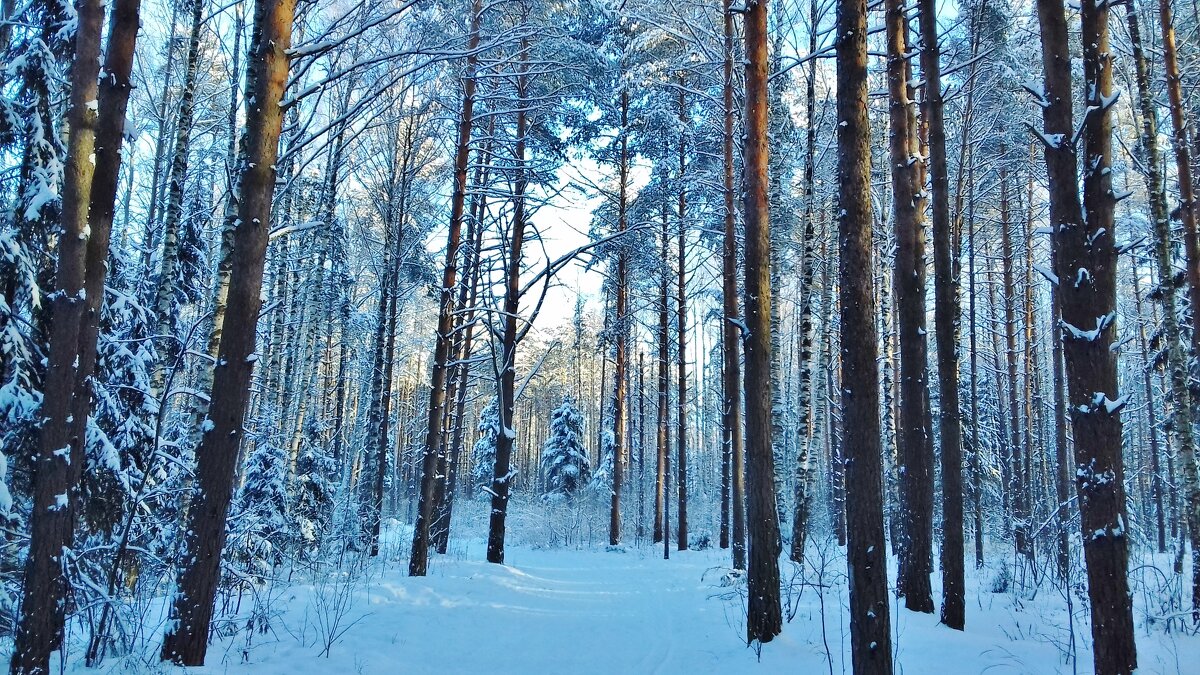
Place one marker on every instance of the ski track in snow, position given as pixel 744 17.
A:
pixel 593 610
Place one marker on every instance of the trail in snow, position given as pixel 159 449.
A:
pixel 629 611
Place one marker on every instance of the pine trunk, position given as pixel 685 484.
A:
pixel 502 476
pixel 870 631
pixel 1086 266
pixel 1191 244
pixel 916 463
pixel 620 362
pixel 945 328
pixel 763 618
pixel 1176 360
pixel 187 641
pixel 419 557
pixel 664 414
pixel 1015 486
pixel 731 389
pixel 681 532
pixel 60 458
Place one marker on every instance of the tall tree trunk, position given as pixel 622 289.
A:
pixel 161 145
pixel 870 631
pixel 681 532
pixel 167 289
pixel 763 618
pixel 376 450
pixel 945 327
pixel 916 464
pixel 620 362
pixel 1152 421
pixel 1031 383
pixel 73 313
pixel 1176 360
pixel 187 640
pixel 664 376
pixel 1016 485
pixel 1187 215
pixel 419 558
pixel 1086 265
pixel 379 425
pixel 890 369
pixel 441 530
pixel 641 425
pixel 1062 462
pixel 503 474
pixel 808 265
pixel 976 441
pixel 731 384
pixel 235 155
pixel 113 104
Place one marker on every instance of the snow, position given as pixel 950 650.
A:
pixel 1102 322
pixel 6 500
pixel 596 609
pixel 1045 272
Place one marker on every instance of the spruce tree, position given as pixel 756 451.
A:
pixel 564 456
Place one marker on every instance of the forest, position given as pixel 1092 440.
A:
pixel 530 336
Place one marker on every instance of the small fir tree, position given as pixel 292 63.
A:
pixel 314 489
pixel 564 457
pixel 485 450
pixel 260 527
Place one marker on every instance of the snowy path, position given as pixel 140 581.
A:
pixel 587 611
pixel 597 611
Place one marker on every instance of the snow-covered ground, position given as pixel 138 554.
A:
pixel 589 609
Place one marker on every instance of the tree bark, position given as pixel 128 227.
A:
pixel 805 469
pixel 187 641
pixel 419 557
pixel 1191 245
pixel 916 464
pixel 731 389
pixel 681 532
pixel 763 618
pixel 379 416
pixel 664 376
pixel 503 474
pixel 1151 421
pixel 60 458
pixel 441 529
pixel 1015 486
pixel 945 328
pixel 168 278
pixel 620 362
pixel 976 442
pixel 870 631
pixel 1176 360
pixel 1086 268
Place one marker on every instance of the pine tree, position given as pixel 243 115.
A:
pixel 485 450
pixel 262 528
pixel 564 456
pixel 313 490
pixel 602 478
